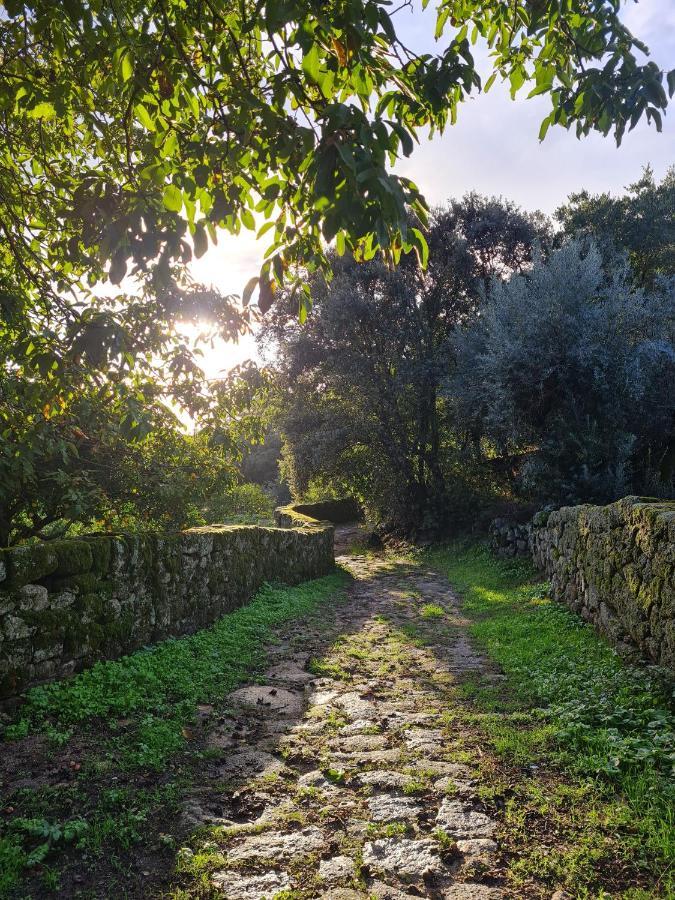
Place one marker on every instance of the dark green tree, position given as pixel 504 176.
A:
pixel 571 369
pixel 361 381
pixel 640 222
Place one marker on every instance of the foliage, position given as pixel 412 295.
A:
pixel 245 503
pixel 133 132
pixel 260 463
pixel 605 721
pixel 361 381
pixel 12 861
pixel 85 453
pixel 640 222
pixel 48 835
pixel 83 464
pixel 576 367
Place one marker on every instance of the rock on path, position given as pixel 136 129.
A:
pixel 339 776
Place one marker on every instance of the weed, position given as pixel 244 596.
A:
pixel 432 611
pixel 391 829
pixel 446 841
pixel 415 786
pixel 46 835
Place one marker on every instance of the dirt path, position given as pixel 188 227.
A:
pixel 342 776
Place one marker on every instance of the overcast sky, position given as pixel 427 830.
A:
pixel 494 149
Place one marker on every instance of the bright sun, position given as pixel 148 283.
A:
pixel 227 266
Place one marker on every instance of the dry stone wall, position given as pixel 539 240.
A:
pixel 508 538
pixel 615 566
pixel 65 604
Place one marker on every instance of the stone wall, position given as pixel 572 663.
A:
pixel 615 566
pixel 303 515
pixel 65 604
pixel 508 538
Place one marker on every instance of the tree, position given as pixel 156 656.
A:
pixel 573 368
pixel 132 131
pixel 361 380
pixel 640 223
pixel 79 450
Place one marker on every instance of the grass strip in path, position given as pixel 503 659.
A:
pixel 569 701
pixel 122 733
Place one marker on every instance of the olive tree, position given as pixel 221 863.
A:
pixel 571 369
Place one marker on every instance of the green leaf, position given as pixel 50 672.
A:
pixel 118 268
pixel 126 65
pixel 200 241
pixel 266 294
pixel 311 63
pixel 247 219
pixel 421 247
pixel 405 138
pixel 170 145
pixel 173 198
pixel 544 127
pixel 144 117
pixel 670 77
pixel 265 228
pixel 43 110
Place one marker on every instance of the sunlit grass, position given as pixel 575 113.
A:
pixel 579 705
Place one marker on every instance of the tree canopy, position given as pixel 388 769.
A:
pixel 360 383
pixel 133 131
pixel 640 222
pixel 520 368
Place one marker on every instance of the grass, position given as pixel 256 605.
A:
pixel 431 611
pixel 134 716
pixel 160 687
pixel 569 700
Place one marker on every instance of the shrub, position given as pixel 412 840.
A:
pixel 574 370
pixel 243 503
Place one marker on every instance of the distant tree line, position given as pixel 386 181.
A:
pixel 527 364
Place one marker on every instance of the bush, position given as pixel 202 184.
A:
pixel 574 370
pixel 244 504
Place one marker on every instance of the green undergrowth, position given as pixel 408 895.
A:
pixel 167 681
pixel 569 699
pixel 135 716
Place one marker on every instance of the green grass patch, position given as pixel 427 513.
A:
pixel 140 709
pixel 160 687
pixel 432 611
pixel 568 696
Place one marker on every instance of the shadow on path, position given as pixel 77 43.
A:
pixel 341 774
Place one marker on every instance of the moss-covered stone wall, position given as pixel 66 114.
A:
pixel 615 566
pixel 304 515
pixel 65 604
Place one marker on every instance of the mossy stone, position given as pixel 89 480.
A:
pixel 84 583
pixel 101 551
pixel 75 557
pixel 30 563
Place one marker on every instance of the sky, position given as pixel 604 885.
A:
pixel 493 149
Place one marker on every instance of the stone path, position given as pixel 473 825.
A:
pixel 341 774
